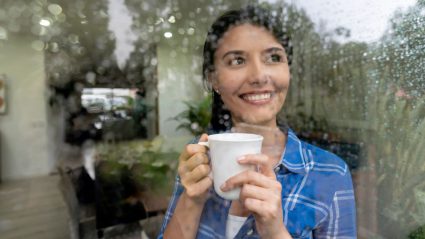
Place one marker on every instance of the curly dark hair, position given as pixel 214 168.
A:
pixel 261 16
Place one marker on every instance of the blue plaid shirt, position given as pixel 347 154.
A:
pixel 317 197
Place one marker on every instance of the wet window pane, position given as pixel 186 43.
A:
pixel 99 98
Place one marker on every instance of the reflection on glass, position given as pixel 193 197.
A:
pixel 124 109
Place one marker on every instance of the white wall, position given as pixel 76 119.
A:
pixel 24 149
pixel 179 79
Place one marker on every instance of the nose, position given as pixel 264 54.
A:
pixel 258 74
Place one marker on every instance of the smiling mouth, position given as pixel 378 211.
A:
pixel 257 98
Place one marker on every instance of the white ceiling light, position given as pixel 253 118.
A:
pixel 168 34
pixel 44 22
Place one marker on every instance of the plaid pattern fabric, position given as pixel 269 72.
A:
pixel 317 197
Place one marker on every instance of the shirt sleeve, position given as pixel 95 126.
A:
pixel 341 221
pixel 178 190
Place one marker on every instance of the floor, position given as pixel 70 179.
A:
pixel 33 208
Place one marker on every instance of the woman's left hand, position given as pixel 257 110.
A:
pixel 261 194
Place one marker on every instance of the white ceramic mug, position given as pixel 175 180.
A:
pixel 225 149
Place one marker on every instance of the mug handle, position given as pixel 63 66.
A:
pixel 206 144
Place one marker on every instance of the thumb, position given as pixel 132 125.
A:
pixel 204 138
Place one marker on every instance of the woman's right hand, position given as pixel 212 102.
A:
pixel 193 170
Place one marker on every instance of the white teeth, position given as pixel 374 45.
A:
pixel 257 97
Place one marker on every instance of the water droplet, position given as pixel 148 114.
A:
pixel 190 30
pixel 185 41
pixel 154 61
pixel 54 47
pixel 55 9
pixel 74 39
pixel 61 17
pixel 37 45
pixel 3 33
pixel 145 6
pixel 91 77
pixel 172 19
pixel 159 21
pixel 38 30
pixel 194 126
pixel 173 54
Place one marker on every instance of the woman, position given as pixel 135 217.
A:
pixel 299 192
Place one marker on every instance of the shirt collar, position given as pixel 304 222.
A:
pixel 294 158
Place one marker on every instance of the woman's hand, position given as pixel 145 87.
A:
pixel 261 195
pixel 193 170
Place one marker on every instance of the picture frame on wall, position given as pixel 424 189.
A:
pixel 3 102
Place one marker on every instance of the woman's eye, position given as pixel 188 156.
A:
pixel 274 58
pixel 236 61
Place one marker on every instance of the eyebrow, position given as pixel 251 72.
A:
pixel 274 49
pixel 240 52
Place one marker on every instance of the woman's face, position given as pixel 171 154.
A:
pixel 251 74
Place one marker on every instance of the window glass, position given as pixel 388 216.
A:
pixel 105 94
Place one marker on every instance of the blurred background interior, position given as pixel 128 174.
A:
pixel 98 97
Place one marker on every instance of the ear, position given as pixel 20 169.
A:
pixel 212 79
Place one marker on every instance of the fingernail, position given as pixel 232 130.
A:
pixel 223 186
pixel 241 158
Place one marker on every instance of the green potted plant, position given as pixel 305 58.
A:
pixel 130 176
pixel 153 170
pixel 196 117
pixel 143 161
